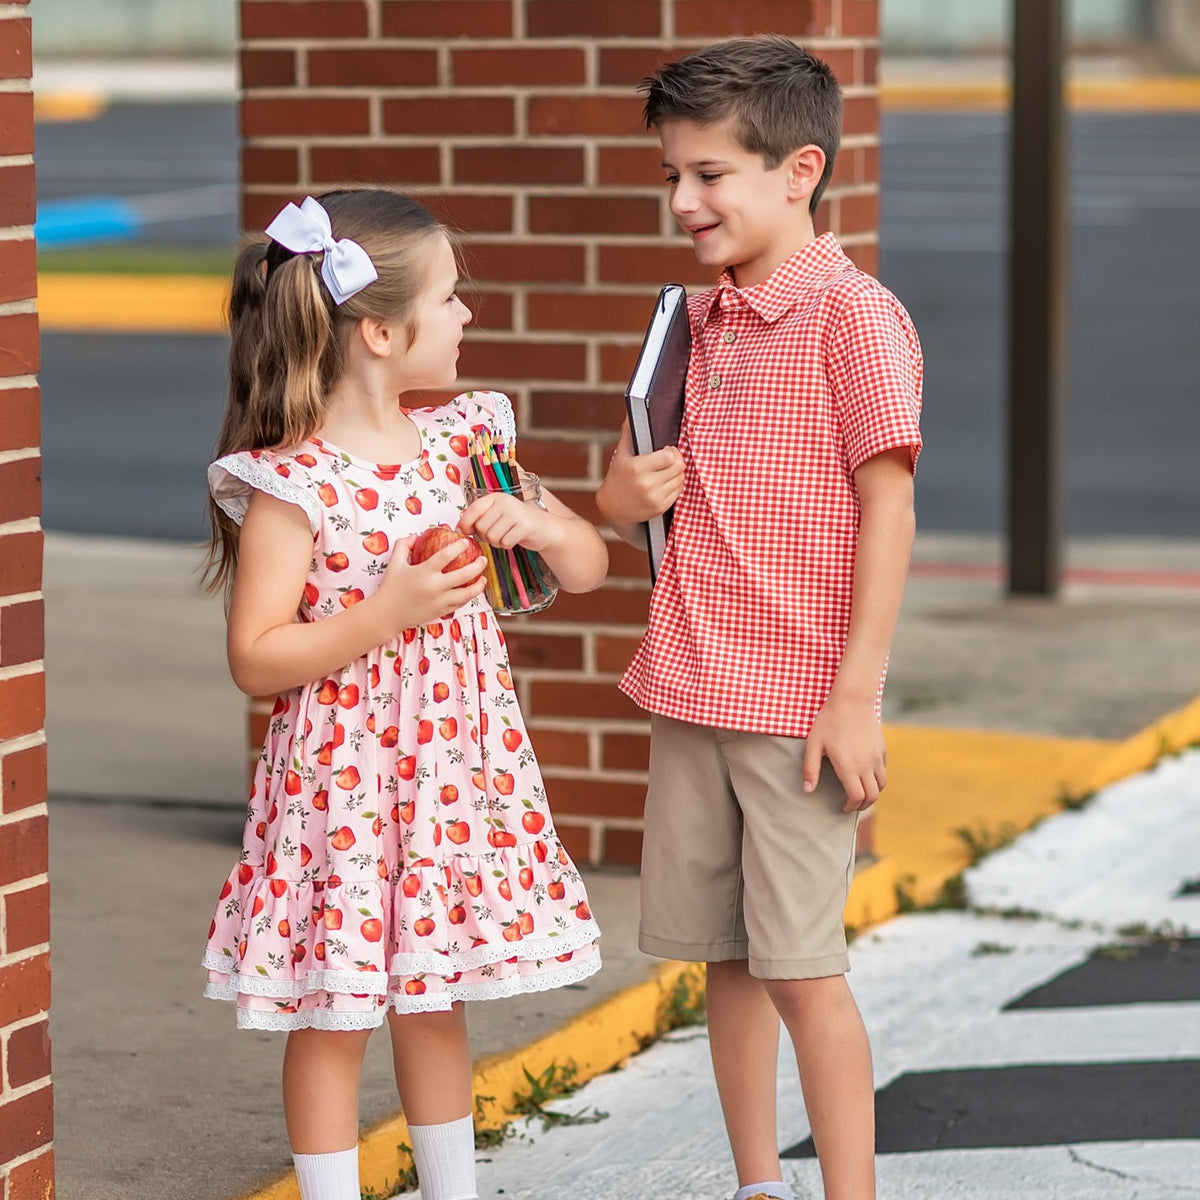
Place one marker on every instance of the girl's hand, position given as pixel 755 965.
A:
pixel 505 521
pixel 412 595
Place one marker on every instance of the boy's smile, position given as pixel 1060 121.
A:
pixel 738 213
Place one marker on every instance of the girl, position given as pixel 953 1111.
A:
pixel 399 856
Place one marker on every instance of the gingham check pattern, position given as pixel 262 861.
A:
pixel 792 385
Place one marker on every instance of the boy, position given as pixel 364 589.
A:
pixel 770 621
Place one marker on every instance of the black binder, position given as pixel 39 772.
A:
pixel 654 397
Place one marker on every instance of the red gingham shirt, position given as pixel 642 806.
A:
pixel 792 385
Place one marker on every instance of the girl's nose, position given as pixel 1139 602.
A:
pixel 464 315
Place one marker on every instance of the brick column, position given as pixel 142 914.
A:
pixel 517 121
pixel 26 1116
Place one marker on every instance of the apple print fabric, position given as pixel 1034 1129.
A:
pixel 399 851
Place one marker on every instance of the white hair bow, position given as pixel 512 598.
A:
pixel 347 268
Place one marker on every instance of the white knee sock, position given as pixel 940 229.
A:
pixel 328 1176
pixel 778 1189
pixel 445 1158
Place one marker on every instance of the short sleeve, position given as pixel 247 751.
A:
pixel 233 478
pixel 498 409
pixel 876 371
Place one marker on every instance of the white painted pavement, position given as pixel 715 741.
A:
pixel 932 987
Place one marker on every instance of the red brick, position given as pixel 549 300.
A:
pixel 437 19
pixel 22 633
pixel 865 257
pixel 270 164
pixel 518 164
pixel 23 849
pixel 612 18
pixel 626 562
pixel 718 19
pixel 18 202
pixel 21 479
pixel 520 361
pixel 16 122
pixel 490 310
pixel 34 1178
pixel 479 212
pixel 304 116
pixel 841 60
pixel 571 698
pixel 18 276
pixel 483 115
pixel 23 774
pixel 846 169
pixel 577 410
pixel 859 214
pixel 295 19
pixel 864 835
pixel 553 459
pixel 572 213
pixel 16 50
pixel 560 747
pixel 595 116
pixel 523 66
pixel 556 652
pixel 622 847
pixel 372 68
pixel 614 652
pixel 28 1054
pixel 268 68
pixel 860 114
pixel 653 265
pixel 826 216
pixel 26 919
pixel 870 164
pixel 631 166
pixel 581 500
pixel 258 208
pixel 26 1124
pixel 860 19
pixel 524 262
pixel 20 351
pixel 576 839
pixel 870 66
pixel 345 163
pixel 20 411
pixel 24 992
pixel 604 312
pixel 595 797
pixel 22 708
pixel 617 363
pixel 627 66
pixel 625 751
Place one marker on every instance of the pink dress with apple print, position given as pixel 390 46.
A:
pixel 399 851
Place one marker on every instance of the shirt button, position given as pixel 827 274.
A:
pixel 729 337
pixel 714 381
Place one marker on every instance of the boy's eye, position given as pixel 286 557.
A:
pixel 710 176
pixel 672 179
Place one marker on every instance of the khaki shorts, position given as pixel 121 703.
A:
pixel 737 862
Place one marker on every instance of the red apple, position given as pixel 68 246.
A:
pixel 348 779
pixel 284 928
pixel 278 887
pixel 372 929
pixel 432 540
pixel 458 832
pixel 406 767
pixel 457 915
pixel 474 884
pixel 337 561
pixel 333 919
pixel 321 800
pixel 328 693
pixel 505 889
pixel 555 889
pixel 525 921
pixel 511 738
pixel 441 691
pixel 424 732
pixel 525 878
pixel 366 498
pixel 348 696
pixel 411 885
pixel 343 839
pixel 305 855
pixel 414 987
pixel 459 444
pixel 423 926
pixel 448 794
pixel 291 783
pixel 448 729
pixel 328 494
pixel 504 783
pixel 351 597
pixel 532 822
pixel 245 874
pixel 376 542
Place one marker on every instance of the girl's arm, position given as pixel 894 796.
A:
pixel 572 547
pixel 270 651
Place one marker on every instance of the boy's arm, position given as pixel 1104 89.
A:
pixel 638 487
pixel 846 730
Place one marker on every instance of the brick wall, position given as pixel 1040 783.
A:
pixel 26 1157
pixel 517 121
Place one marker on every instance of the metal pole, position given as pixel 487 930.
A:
pixel 1037 299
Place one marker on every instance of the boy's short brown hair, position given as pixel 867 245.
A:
pixel 780 96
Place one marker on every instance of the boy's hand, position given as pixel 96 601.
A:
pixel 847 733
pixel 639 486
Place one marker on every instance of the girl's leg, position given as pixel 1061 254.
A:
pixel 835 1072
pixel 743 1035
pixel 321 1070
pixel 433 1075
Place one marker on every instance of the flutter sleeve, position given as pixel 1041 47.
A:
pixel 234 477
pixel 496 411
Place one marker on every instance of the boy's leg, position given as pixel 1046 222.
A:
pixel 834 1058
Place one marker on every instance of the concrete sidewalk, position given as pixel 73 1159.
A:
pixel 154 1087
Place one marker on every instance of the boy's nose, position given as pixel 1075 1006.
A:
pixel 683 201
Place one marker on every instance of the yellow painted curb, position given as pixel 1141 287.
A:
pixel 994 785
pixel 68 106
pixel 1156 94
pixel 132 303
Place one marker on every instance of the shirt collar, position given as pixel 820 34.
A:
pixel 807 269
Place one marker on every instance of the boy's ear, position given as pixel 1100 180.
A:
pixel 377 337
pixel 805 167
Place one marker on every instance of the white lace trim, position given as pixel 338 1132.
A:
pixel 233 499
pixel 502 412
pixel 376 983
pixel 495 989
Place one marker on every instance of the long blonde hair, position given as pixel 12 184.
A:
pixel 288 337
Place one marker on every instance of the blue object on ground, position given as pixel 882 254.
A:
pixel 79 221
